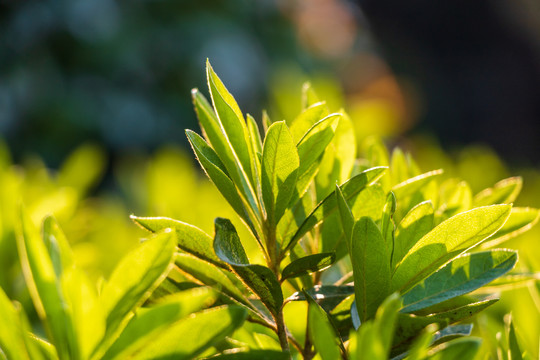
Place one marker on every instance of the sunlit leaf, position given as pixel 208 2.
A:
pixel 460 276
pixel 412 185
pixel 350 190
pixel 370 259
pixel 306 119
pixel 216 171
pixel 521 220
pixel 134 278
pixel 148 324
pixel 231 120
pixel 242 354
pixel 449 239
pixel 503 192
pixel 190 337
pixel 45 289
pixel 279 172
pixel 12 342
pixel 189 238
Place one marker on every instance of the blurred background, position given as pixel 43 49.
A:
pixel 119 73
pixel 95 97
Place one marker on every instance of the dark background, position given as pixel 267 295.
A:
pixel 119 73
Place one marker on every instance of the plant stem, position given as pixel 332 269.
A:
pixel 282 332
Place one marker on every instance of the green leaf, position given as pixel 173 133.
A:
pixel 521 220
pixel 149 323
pixel 306 119
pixel 323 292
pixel 463 312
pixel 308 264
pixel 464 274
pixel 210 275
pixel 134 278
pixel 241 354
pixel 346 216
pixel 419 348
pixel 213 133
pixel 388 227
pixel 12 343
pixel 321 332
pixel 399 169
pixel 260 279
pixel 309 96
pixel 232 121
pixel 377 155
pixel 216 171
pixel 412 185
pixel 456 197
pixel 350 190
pixel 45 288
pixel 408 328
pixel 460 348
pixel 190 337
pixel 370 259
pixel 417 223
pixel 254 135
pixel 88 318
pixel 503 192
pixel 57 246
pixel 280 164
pixel 513 345
pixel 311 148
pixel 449 239
pixel 385 321
pixel 189 238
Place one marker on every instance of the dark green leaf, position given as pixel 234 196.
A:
pixel 461 276
pixel 463 312
pixel 308 264
pixel 446 241
pixel 460 348
pixel 408 328
pixel 513 345
pixel 388 227
pixel 260 279
pixel 322 332
pixel 322 292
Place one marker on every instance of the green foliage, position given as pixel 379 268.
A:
pixel 377 259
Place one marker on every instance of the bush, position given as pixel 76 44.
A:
pixel 346 258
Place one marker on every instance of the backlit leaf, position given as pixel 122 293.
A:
pixel 449 239
pixel 321 332
pixel 503 192
pixel 279 172
pixel 370 259
pixel 190 337
pixel 350 190
pixel 133 279
pixel 412 185
pixel 521 220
